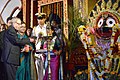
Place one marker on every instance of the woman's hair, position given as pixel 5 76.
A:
pixel 55 18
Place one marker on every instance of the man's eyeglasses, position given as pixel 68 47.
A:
pixel 18 23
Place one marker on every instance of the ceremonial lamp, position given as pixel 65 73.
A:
pixel 50 40
pixel 48 50
pixel 49 37
pixel 50 44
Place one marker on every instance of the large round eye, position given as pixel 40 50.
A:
pixel 110 22
pixel 100 22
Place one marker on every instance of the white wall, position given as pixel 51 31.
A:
pixel 9 8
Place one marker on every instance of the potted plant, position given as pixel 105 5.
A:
pixel 73 42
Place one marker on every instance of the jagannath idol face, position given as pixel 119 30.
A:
pixel 104 24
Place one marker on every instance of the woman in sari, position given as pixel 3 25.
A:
pixel 55 51
pixel 25 69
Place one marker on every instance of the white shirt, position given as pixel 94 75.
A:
pixel 37 30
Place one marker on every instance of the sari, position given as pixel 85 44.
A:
pixel 54 63
pixel 26 70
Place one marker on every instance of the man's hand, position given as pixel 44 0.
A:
pixel 26 48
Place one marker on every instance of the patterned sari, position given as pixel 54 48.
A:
pixel 54 63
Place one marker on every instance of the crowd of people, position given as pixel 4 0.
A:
pixel 24 51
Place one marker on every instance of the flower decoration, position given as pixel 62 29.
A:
pixel 81 29
pixel 40 34
pixel 99 40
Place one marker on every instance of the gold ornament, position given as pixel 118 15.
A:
pixel 108 6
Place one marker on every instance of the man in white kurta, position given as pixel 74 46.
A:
pixel 38 31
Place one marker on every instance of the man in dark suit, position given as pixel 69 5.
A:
pixel 2 34
pixel 11 48
pixel 2 68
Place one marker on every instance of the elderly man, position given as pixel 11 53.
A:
pixel 11 48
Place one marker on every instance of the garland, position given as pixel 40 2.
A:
pixel 106 60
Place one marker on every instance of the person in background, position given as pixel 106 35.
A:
pixel 29 32
pixel 11 52
pixel 3 27
pixel 9 21
pixel 39 31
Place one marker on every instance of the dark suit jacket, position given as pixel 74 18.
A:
pixel 11 48
pixel 1 42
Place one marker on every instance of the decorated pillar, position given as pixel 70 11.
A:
pixel 65 14
pixel 34 9
pixel 26 12
pixel 39 5
pixel 31 23
pixel 82 7
pixel 85 8
pixel 65 6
